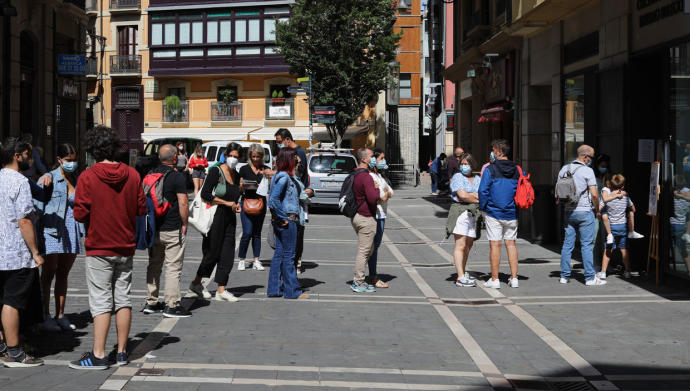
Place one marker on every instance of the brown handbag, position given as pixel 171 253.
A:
pixel 253 206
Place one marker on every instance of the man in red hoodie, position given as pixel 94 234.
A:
pixel 109 198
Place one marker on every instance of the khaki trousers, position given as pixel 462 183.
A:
pixel 168 248
pixel 365 228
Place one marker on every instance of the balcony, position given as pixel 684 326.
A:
pixel 176 118
pixel 477 23
pixel 122 6
pixel 125 65
pixel 226 112
pixel 91 67
pixel 280 109
pixel 91 6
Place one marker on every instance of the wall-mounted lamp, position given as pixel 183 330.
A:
pixel 403 5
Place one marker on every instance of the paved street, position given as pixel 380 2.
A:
pixel 422 333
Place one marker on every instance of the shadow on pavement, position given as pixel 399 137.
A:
pixel 307 283
pixel 242 290
pixel 143 343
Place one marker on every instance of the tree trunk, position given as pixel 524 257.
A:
pixel 340 135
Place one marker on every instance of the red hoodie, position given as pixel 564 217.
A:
pixel 107 201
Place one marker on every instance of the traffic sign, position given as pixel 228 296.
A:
pixel 302 79
pixel 293 90
pixel 305 84
pixel 71 64
pixel 325 119
pixel 324 110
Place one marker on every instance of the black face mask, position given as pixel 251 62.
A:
pixel 24 165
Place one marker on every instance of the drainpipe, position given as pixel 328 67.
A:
pixel 6 64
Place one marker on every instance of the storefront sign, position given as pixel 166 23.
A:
pixel 68 88
pixel 654 189
pixel 279 111
pixel 71 64
pixel 662 12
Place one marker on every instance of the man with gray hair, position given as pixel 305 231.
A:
pixel 169 244
pixel 454 162
pixel 580 215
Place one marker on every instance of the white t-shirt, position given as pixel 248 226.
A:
pixel 681 207
pixel 584 178
pixel 617 208
pixel 382 206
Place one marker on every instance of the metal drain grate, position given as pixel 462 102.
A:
pixel 573 386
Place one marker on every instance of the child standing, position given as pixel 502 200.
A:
pixel 618 215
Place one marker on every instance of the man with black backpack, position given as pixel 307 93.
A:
pixel 576 187
pixel 366 195
pixel 168 190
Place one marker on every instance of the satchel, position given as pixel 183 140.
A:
pixel 253 206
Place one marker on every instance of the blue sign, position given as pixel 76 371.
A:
pixel 71 64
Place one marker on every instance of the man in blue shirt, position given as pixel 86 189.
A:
pixel 435 171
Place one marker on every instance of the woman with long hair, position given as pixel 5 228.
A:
pixel 464 191
pixel 385 192
pixel 181 157
pixel 61 235
pixel 221 188
pixel 284 205
pixel 252 220
pixel 197 165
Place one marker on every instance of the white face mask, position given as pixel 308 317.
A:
pixel 232 162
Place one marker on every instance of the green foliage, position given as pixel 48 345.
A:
pixel 173 108
pixel 227 95
pixel 346 47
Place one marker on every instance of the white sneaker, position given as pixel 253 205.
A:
pixel 467 276
pixel 601 275
pixel 563 280
pixel 635 235
pixel 686 238
pixel 226 296
pixel 609 239
pixel 513 282
pixel 491 283
pixel 595 281
pixel 241 266
pixel 199 290
pixel 627 275
pixel 256 265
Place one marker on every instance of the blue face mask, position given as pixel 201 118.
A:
pixel 382 165
pixel 603 170
pixel 465 169
pixel 70 166
pixel 492 156
pixel 372 162
pixel 281 145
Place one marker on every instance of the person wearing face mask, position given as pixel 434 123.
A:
pixel 376 166
pixel 198 164
pixel 61 235
pixel 220 188
pixel 182 160
pixel 284 139
pixel 463 216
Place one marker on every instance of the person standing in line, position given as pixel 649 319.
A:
pixel 435 172
pixel 367 196
pixel 602 172
pixel 220 188
pixel 376 166
pixel 61 236
pixel 252 224
pixel 170 241
pixel 464 192
pixel 108 200
pixel 197 165
pixel 621 217
pixel 581 215
pixel 284 205
pixel 181 165
pixel 497 200
pixel 19 254
pixel 454 162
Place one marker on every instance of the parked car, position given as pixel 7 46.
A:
pixel 328 168
pixel 214 149
pixel 148 160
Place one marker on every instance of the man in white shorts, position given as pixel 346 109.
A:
pixel 497 202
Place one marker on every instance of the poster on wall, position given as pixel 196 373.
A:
pixel 279 112
pixel 654 189
pixel 645 150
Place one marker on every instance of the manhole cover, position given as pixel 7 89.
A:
pixel 150 372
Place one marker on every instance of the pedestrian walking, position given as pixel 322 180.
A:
pixel 285 211
pixel 108 200
pixel 580 214
pixel 19 254
pixel 367 196
pixel 170 241
pixel 220 188
pixel 61 237
pixel 198 164
pixel 253 207
pixel 497 201
pixel 376 168
pixel 463 216
pixel 435 169
pixel 454 162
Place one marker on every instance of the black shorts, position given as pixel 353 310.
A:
pixel 15 287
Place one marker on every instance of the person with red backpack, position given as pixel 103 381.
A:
pixel 167 189
pixel 497 192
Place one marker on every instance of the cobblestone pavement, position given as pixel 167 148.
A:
pixel 422 333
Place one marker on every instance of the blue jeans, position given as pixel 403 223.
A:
pixel 582 222
pixel 380 225
pixel 434 182
pixel 251 231
pixel 282 278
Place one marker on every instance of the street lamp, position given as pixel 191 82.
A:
pixel 403 5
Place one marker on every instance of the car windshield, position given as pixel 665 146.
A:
pixel 332 164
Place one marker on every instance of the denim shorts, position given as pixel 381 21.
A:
pixel 620 236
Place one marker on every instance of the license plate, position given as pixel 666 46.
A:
pixel 332 184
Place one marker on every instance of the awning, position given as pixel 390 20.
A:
pixel 492 114
pixel 299 133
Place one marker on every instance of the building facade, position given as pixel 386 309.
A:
pixel 610 74
pixel 42 92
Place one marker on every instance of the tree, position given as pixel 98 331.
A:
pixel 346 47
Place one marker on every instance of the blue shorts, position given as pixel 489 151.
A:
pixel 620 237
pixel 678 230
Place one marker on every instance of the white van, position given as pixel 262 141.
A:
pixel 214 149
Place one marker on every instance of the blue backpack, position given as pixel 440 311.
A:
pixel 146 227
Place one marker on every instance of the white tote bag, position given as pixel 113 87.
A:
pixel 201 214
pixel 262 190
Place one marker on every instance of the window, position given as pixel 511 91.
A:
pixel 225 31
pixel 156 34
pixel 184 33
pixel 169 34
pixel 198 32
pixel 247 51
pixel 574 132
pixel 332 164
pixel 254 30
pixel 178 92
pixel 212 32
pixel 127 40
pixel 231 90
pixel 277 10
pixel 269 30
pixel 211 154
pixel 240 30
pixel 128 96
pixel 279 91
pixel 164 53
pixel 220 52
pixel 405 86
pixel 191 52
